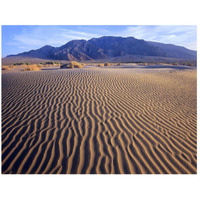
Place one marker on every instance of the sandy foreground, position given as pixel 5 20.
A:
pixel 99 120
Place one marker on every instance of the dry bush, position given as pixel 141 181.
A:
pixel 118 64
pixel 107 64
pixel 40 66
pixel 5 68
pixel 31 68
pixel 190 64
pixel 72 65
pixel 101 65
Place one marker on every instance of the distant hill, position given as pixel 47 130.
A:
pixel 109 47
pixel 173 51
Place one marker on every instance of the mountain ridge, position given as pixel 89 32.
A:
pixel 108 47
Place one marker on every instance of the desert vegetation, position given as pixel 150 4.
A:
pixel 107 64
pixel 101 65
pixel 50 63
pixel 5 68
pixel 189 64
pixel 104 64
pixel 19 64
pixel 33 67
pixel 22 67
pixel 72 65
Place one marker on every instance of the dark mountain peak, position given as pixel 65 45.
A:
pixel 76 42
pixel 47 47
pixel 107 38
pixel 73 44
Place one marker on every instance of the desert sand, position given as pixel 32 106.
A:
pixel 99 120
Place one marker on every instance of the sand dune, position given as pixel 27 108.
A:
pixel 99 121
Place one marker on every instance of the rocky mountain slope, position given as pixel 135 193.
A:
pixel 109 47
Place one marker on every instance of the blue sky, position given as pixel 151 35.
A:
pixel 18 38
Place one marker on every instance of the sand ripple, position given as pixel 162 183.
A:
pixel 99 121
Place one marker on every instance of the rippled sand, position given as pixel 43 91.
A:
pixel 99 121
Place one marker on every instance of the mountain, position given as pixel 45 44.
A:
pixel 109 47
pixel 44 52
pixel 174 51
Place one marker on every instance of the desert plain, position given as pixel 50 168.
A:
pixel 125 119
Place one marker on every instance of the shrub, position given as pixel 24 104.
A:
pixel 118 64
pixel 190 64
pixel 52 63
pixel 100 65
pixel 49 63
pixel 107 64
pixel 15 64
pixel 32 68
pixel 5 68
pixel 72 65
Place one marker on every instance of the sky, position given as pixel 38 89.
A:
pixel 21 38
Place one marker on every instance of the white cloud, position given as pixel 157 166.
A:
pixel 26 40
pixel 51 35
pixel 179 35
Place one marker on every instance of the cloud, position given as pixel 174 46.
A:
pixel 51 35
pixel 66 32
pixel 27 40
pixel 179 35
